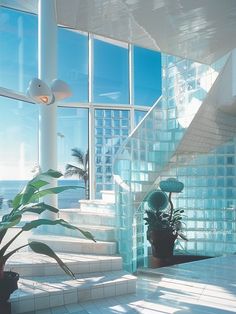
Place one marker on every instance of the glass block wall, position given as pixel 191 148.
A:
pixel 209 200
pixel 209 196
pixel 111 128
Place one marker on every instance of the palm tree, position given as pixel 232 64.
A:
pixel 81 169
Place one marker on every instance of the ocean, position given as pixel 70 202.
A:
pixel 66 199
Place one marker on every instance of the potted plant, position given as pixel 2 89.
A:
pixel 163 221
pixel 27 201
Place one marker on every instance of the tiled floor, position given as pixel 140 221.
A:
pixel 202 287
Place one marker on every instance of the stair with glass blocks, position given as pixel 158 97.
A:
pixel 97 267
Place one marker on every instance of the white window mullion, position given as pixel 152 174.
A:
pixel 131 85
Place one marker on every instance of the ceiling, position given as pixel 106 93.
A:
pixel 201 30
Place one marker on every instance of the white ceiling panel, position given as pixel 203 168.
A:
pixel 202 30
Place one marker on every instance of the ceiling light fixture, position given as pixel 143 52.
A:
pixel 41 93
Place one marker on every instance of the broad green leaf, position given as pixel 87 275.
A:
pixel 52 173
pixel 65 224
pixel 36 223
pixel 54 190
pixel 39 208
pixel 26 196
pixel 40 222
pixel 42 248
pixel 17 201
pixel 38 183
pixel 11 222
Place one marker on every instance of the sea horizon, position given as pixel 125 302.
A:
pixel 66 199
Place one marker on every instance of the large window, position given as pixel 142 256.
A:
pixel 147 76
pixel 18 53
pixel 73 63
pixel 72 139
pixel 111 123
pixel 19 147
pixel 110 82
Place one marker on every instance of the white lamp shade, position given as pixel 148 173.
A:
pixel 39 92
pixel 60 89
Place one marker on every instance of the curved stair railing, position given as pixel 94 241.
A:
pixel 150 149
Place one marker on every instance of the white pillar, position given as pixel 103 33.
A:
pixel 92 183
pixel 47 71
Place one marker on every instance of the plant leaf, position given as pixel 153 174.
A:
pixel 39 208
pixel 39 222
pixel 27 194
pixel 182 236
pixel 42 248
pixel 51 173
pixel 54 190
pixel 16 201
pixel 38 183
pixel 10 221
pixel 65 224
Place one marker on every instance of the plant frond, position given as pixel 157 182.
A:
pixel 79 155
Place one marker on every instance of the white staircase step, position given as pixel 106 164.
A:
pixel 88 218
pixel 32 264
pixel 100 233
pixel 108 196
pixel 97 206
pixel 76 245
pixel 38 293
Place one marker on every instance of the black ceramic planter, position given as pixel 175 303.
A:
pixel 8 284
pixel 162 242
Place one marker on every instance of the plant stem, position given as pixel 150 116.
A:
pixel 5 257
pixel 171 207
pixel 1 271
pixel 6 246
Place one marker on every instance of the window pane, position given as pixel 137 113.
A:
pixel 19 147
pixel 18 53
pixel 110 73
pixel 147 76
pixel 73 62
pixel 72 134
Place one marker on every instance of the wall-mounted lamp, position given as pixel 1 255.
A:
pixel 41 93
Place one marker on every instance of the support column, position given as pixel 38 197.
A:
pixel 47 71
pixel 92 182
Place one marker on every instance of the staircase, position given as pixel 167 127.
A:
pixel 172 133
pixel 97 267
